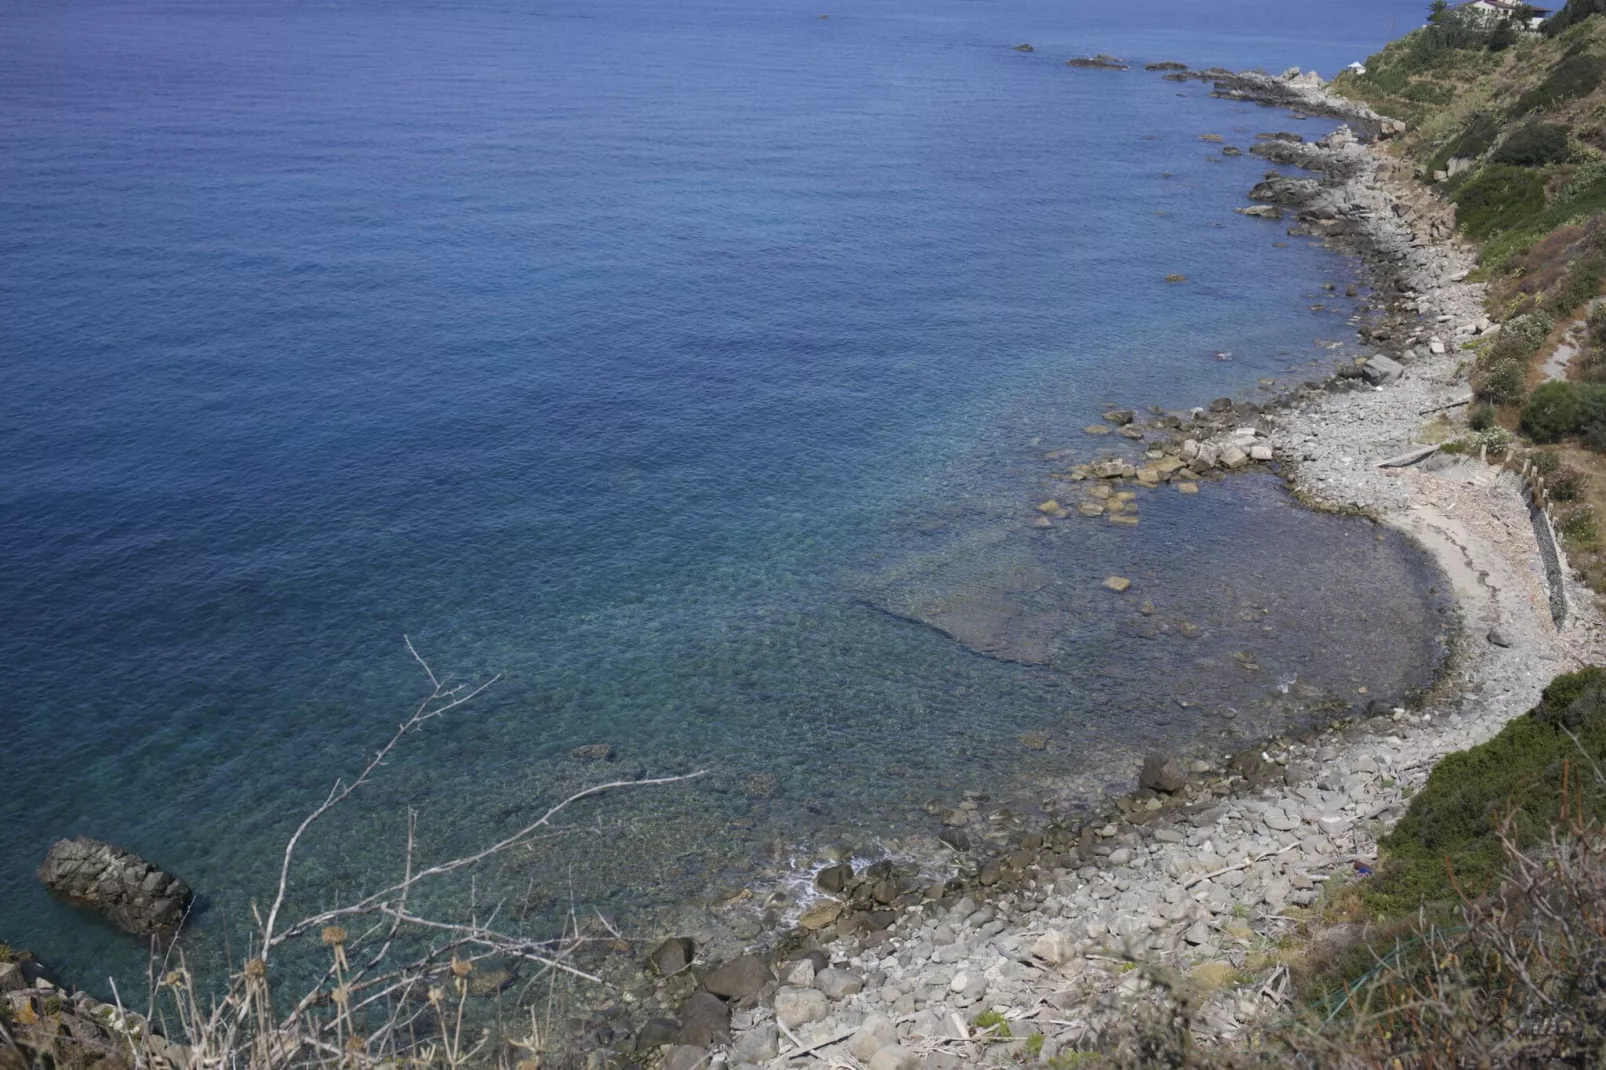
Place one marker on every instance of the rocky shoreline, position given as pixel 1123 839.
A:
pixel 1027 949
pixel 1022 946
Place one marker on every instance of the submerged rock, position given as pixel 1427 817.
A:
pixel 1102 61
pixel 133 893
pixel 1162 773
pixel 672 956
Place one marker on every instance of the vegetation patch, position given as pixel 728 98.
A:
pixel 1534 145
pixel 1575 76
pixel 1500 198
pixel 1448 844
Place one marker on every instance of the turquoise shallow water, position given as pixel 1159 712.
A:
pixel 621 349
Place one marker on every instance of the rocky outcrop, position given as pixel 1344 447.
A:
pixel 53 1026
pixel 134 894
pixel 1101 62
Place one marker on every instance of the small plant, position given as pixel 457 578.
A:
pixel 1578 524
pixel 1481 418
pixel 6 954
pixel 1034 1046
pixel 994 1021
pixel 1503 381
pixel 1566 484
pixel 51 1006
pixel 1545 462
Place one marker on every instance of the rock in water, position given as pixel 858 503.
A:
pixel 672 956
pixel 132 892
pixel 1161 773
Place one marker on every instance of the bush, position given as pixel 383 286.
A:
pixel 1578 524
pixel 1566 484
pixel 1580 285
pixel 1572 13
pixel 1450 830
pixel 1575 76
pixel 1528 330
pixel 1546 462
pixel 1504 381
pixel 1587 177
pixel 1534 145
pixel 1481 418
pixel 1553 412
pixel 1500 197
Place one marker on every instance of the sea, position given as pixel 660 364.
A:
pixel 689 372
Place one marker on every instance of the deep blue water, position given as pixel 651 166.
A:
pixel 619 348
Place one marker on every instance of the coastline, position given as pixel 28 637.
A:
pixel 1198 877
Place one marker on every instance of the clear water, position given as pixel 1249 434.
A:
pixel 637 352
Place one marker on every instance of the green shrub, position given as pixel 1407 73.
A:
pixel 1555 411
pixel 1586 178
pixel 1546 462
pixel 1578 524
pixel 1580 285
pixel 1534 145
pixel 1528 331
pixel 1572 13
pixel 1447 840
pixel 1481 418
pixel 1575 76
pixel 1566 484
pixel 1500 197
pixel 1479 136
pixel 1504 381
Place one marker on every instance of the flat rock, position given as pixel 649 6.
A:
pixel 741 976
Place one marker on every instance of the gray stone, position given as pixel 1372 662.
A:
pixel 1162 773
pixel 759 1044
pixel 1379 369
pixel 799 973
pixel 1498 638
pixel 1279 820
pixel 875 1033
pixel 837 983
pixel 1054 947
pixel 896 1057
pixel 800 1006
pixel 739 978
pixel 833 879
pixel 656 1033
pixel 704 1021
pixel 672 956
pixel 133 893
pixel 684 1057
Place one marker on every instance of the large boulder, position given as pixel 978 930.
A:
pixel 136 895
pixel 739 978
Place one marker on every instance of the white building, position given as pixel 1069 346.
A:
pixel 1494 10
